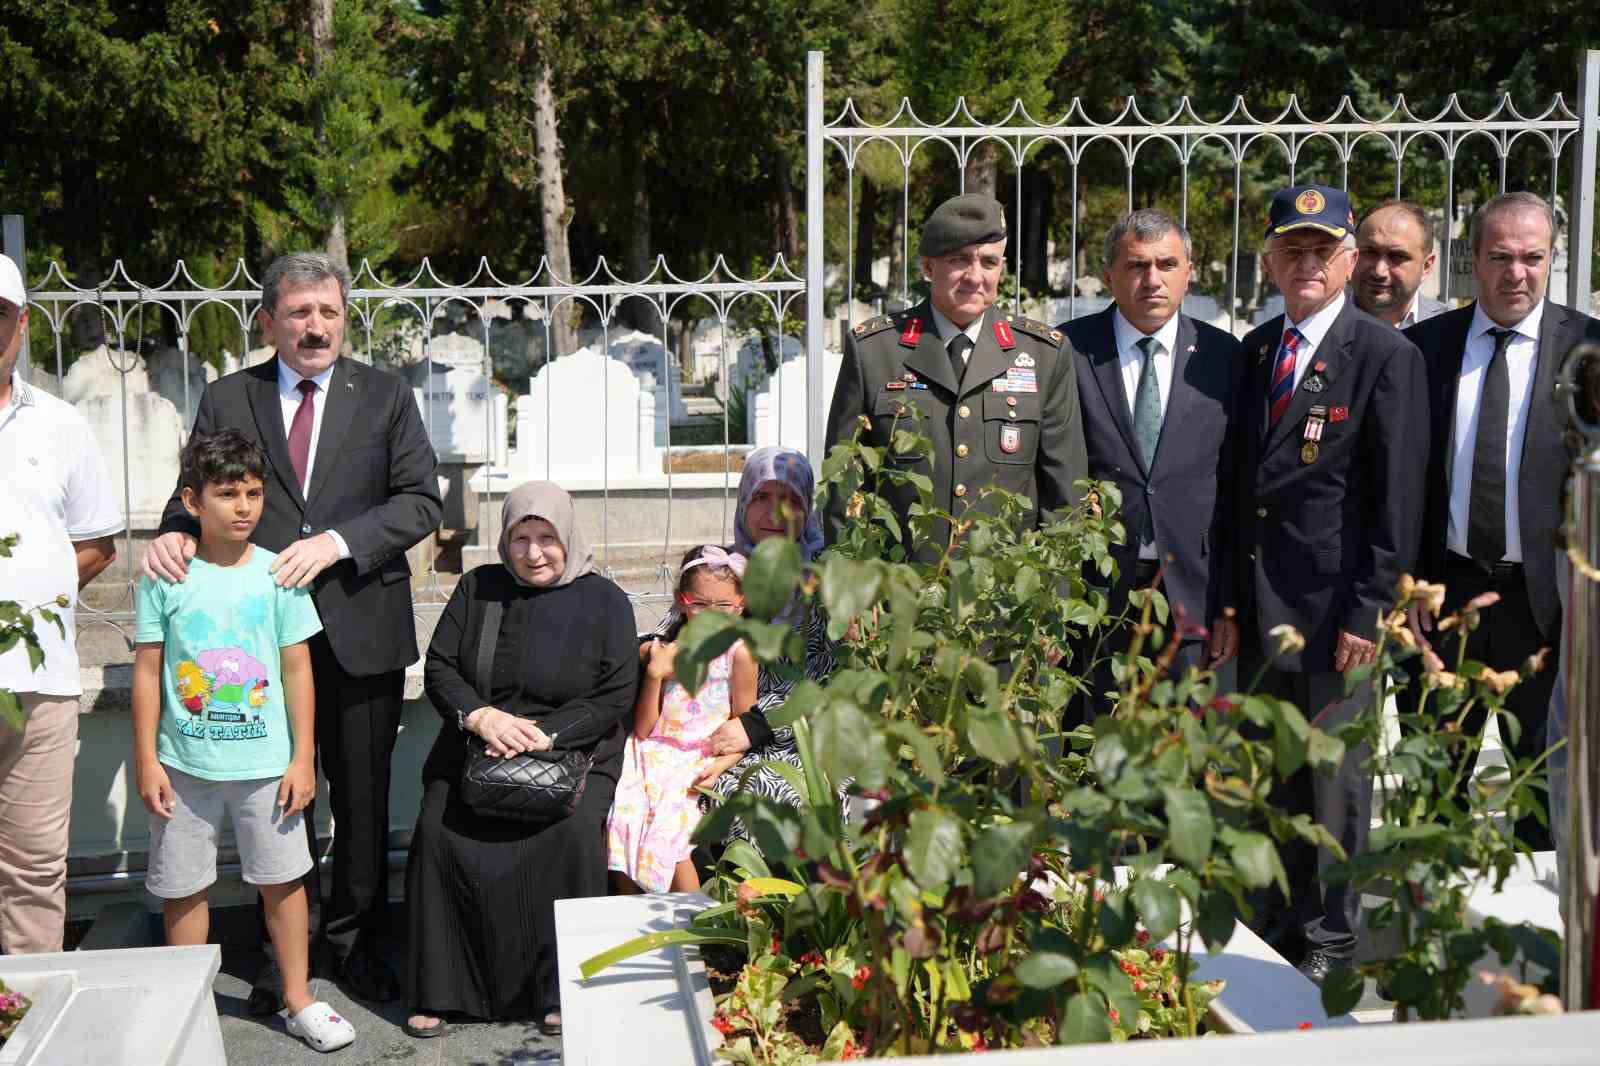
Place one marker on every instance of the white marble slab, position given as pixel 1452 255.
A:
pixel 654 1008
pixel 133 1007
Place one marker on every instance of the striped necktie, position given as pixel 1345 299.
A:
pixel 1283 377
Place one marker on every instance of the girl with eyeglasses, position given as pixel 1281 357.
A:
pixel 668 757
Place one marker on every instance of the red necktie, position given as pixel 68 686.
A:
pixel 1283 377
pixel 300 431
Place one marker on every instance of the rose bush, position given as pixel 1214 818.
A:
pixel 977 903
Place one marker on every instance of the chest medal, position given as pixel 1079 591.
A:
pixel 1309 447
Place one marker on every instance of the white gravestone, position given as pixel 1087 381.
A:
pixel 586 417
pixel 464 414
pixel 777 410
pixel 167 369
pixel 154 429
pixel 645 353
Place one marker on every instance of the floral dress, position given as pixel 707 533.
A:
pixel 654 814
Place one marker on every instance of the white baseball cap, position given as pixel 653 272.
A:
pixel 11 288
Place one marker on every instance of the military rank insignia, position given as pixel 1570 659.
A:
pixel 913 333
pixel 1312 434
pixel 1002 334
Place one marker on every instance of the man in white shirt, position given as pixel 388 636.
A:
pixel 1333 462
pixel 1396 241
pixel 1498 460
pixel 60 504
pixel 1159 392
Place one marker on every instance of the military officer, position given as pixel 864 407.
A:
pixel 997 393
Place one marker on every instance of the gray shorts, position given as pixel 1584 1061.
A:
pixel 183 849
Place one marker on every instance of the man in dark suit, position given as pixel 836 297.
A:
pixel 1144 366
pixel 352 488
pixel 996 392
pixel 1335 446
pixel 1497 459
pixel 1395 241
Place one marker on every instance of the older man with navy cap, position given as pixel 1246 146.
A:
pixel 1333 464
pixel 996 393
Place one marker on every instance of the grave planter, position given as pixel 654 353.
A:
pixel 116 1008
pixel 666 998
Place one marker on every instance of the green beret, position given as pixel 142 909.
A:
pixel 971 218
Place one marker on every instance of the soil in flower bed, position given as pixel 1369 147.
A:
pixel 802 1016
pixel 723 965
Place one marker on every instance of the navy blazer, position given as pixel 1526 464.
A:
pixel 373 479
pixel 1188 491
pixel 1323 543
pixel 1545 457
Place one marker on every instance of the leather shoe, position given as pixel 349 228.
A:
pixel 266 995
pixel 1318 964
pixel 368 977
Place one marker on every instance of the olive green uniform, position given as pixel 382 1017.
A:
pixel 1012 420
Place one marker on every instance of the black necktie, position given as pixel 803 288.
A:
pixel 960 345
pixel 1486 509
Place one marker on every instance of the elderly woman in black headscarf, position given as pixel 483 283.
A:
pixel 480 888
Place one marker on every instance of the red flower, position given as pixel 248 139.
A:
pixel 860 979
pixel 811 958
pixel 978 1043
pixel 1129 968
pixel 722 1025
pixel 1303 1026
pixel 1138 985
pixel 1116 1019
pixel 1142 936
pixel 850 1051
pixel 777 946
pixel 1158 954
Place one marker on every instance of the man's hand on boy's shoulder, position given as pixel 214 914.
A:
pixel 298 787
pixel 299 564
pixel 155 788
pixel 167 557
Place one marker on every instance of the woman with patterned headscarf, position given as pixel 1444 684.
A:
pixel 562 672
pixel 776 499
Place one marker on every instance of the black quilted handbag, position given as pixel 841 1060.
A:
pixel 535 786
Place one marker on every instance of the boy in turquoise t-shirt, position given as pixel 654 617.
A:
pixel 223 721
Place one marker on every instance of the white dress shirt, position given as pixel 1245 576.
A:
pixel 1522 357
pixel 1410 317
pixel 948 330
pixel 289 400
pixel 1130 357
pixel 1312 331
pixel 1130 361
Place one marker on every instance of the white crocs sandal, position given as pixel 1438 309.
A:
pixel 320 1027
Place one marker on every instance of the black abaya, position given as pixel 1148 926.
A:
pixel 481 891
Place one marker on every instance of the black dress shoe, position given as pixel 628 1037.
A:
pixel 368 977
pixel 1318 964
pixel 266 995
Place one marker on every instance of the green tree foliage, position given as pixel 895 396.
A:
pixel 150 130
pixel 338 135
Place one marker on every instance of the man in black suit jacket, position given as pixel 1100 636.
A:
pixel 352 487
pixel 1333 460
pixel 1497 460
pixel 1158 392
